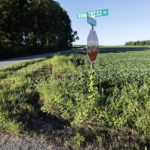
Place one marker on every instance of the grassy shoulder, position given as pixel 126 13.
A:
pixel 107 110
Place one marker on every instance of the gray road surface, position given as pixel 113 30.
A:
pixel 8 62
pixel 10 142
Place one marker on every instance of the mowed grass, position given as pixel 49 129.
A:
pixel 115 114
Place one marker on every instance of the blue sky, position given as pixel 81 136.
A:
pixel 128 20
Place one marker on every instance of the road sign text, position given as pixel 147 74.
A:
pixel 94 13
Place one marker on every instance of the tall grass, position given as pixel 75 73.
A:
pixel 117 96
pixel 122 82
pixel 18 96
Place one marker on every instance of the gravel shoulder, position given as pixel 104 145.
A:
pixel 41 127
pixel 11 142
pixel 8 62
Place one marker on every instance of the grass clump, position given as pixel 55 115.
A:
pixel 62 64
pixel 18 96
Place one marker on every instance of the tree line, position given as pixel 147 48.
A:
pixel 33 26
pixel 138 43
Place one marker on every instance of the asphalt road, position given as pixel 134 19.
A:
pixel 8 62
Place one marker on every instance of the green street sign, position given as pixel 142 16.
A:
pixel 94 13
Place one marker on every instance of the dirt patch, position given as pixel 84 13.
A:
pixel 43 72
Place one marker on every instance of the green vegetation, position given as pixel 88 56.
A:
pixel 108 108
pixel 30 27
pixel 138 43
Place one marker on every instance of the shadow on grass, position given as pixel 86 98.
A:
pixel 36 121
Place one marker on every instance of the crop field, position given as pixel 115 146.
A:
pixel 107 108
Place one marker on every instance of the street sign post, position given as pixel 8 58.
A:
pixel 92 40
pixel 91 21
pixel 94 13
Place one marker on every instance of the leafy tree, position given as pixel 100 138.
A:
pixel 33 26
pixel 138 43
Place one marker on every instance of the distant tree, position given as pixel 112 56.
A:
pixel 148 42
pixel 129 43
pixel 138 43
